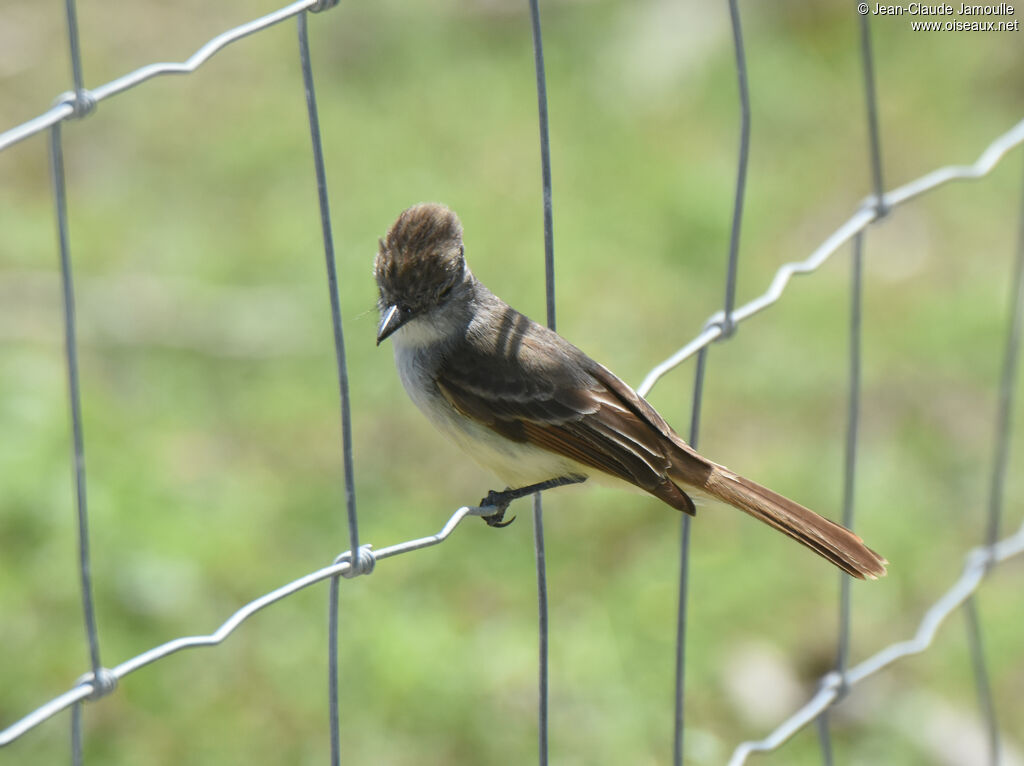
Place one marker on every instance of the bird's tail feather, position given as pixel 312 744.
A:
pixel 826 538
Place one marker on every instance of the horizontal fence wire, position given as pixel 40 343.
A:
pixel 978 562
pixel 866 214
pixel 86 688
pixel 66 106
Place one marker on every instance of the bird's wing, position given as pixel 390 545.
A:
pixel 536 388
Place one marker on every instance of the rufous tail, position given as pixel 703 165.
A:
pixel 826 538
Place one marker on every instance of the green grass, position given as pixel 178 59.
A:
pixel 211 415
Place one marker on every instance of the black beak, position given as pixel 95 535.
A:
pixel 393 318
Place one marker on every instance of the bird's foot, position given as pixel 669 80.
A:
pixel 499 501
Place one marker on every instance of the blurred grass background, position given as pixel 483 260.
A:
pixel 212 433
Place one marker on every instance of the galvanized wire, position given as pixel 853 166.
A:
pixel 343 387
pixel 741 165
pixel 849 478
pixel 853 384
pixel 74 396
pixel 976 565
pixel 65 108
pixel 855 223
pixel 87 687
pixel 871 105
pixel 332 284
pixel 726 327
pixel 978 562
pixel 997 491
pixel 824 738
pixel 1007 386
pixel 74 48
pixel 540 554
pixel 76 734
pixel 986 702
pixel 852 428
pixel 549 293
pixel 333 705
pixel 849 475
pixel 679 717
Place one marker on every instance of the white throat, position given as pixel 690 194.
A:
pixel 421 332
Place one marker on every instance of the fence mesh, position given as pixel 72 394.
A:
pixel 834 686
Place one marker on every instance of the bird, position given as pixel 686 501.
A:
pixel 537 411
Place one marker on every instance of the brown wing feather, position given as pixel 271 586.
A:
pixel 563 408
pixel 826 538
pixel 687 464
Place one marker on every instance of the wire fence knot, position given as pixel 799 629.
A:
pixel 364 562
pixel 725 323
pixel 102 683
pixel 982 559
pixel 82 102
pixel 838 682
pixel 879 205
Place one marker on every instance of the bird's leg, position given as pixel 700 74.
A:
pixel 500 500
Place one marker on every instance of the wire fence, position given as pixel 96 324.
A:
pixel 834 686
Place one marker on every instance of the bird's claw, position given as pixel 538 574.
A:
pixel 495 520
pixel 500 502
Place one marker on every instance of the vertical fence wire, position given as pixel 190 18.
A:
pixel 343 388
pixel 71 350
pixel 822 725
pixel 986 702
pixel 856 304
pixel 741 167
pixel 333 706
pixel 76 734
pixel 871 102
pixel 852 431
pixel 854 370
pixel 1007 386
pixel 727 328
pixel 74 49
pixel 849 482
pixel 74 396
pixel 542 630
pixel 997 489
pixel 679 689
pixel 549 287
pixel 332 284
pixel 545 161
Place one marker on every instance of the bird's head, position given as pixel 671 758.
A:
pixel 420 262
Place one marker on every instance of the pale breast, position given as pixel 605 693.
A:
pixel 516 463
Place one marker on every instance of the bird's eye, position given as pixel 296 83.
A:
pixel 462 251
